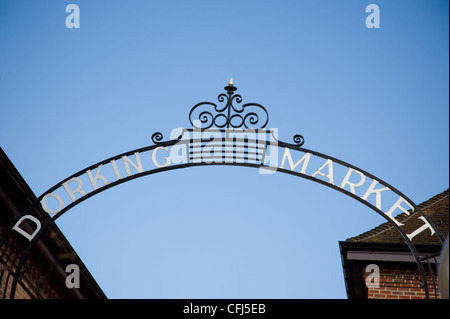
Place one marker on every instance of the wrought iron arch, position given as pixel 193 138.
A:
pixel 242 136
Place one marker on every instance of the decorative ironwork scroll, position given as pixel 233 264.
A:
pixel 205 115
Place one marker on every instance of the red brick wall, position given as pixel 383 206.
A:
pixel 33 283
pixel 402 282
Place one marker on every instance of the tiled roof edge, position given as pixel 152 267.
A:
pixel 401 217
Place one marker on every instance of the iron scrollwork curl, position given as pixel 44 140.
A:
pixel 157 137
pixel 246 116
pixel 298 140
pixel 229 114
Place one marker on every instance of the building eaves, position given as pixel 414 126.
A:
pixel 436 208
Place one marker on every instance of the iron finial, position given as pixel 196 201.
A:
pixel 230 88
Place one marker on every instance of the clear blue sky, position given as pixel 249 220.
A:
pixel 376 98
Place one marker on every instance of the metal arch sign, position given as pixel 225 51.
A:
pixel 223 135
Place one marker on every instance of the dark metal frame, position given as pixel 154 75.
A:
pixel 224 118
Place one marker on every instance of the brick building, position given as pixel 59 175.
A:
pixel 44 274
pixel 383 248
